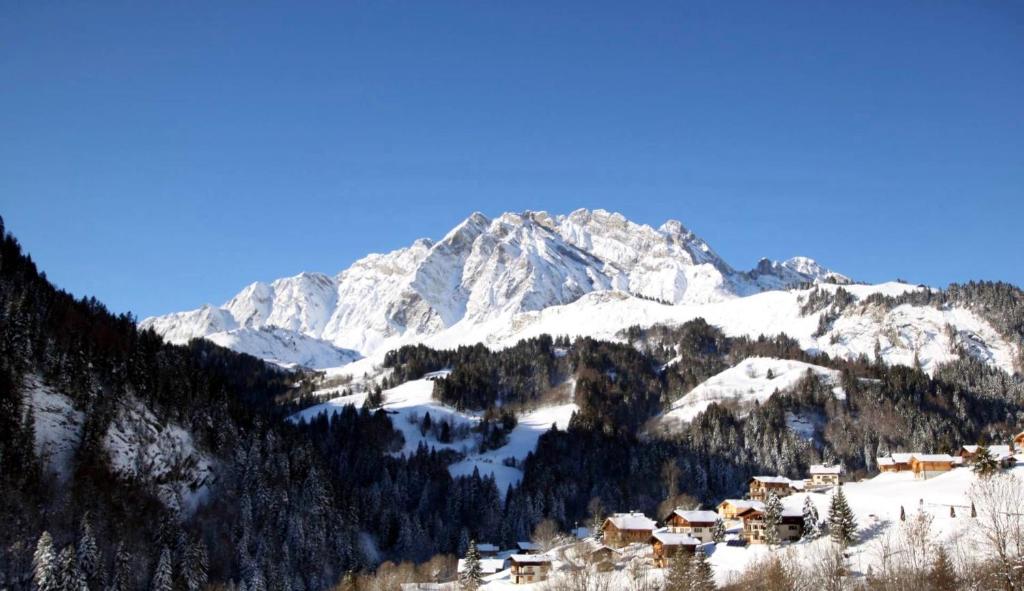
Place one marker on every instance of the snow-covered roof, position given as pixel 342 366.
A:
pixel 488 566
pixel 527 546
pixel 934 458
pixel 743 504
pixel 530 558
pixel 896 458
pixel 786 511
pixel 697 516
pixel 673 539
pixel 772 479
pixel 632 521
pixel 826 469
pixel 487 548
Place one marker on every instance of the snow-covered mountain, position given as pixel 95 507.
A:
pixel 483 270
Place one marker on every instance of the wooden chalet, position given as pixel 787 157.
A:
pixel 754 529
pixel 897 462
pixel 930 465
pixel 529 568
pixel 622 529
pixel 665 545
pixel 487 549
pixel 762 486
pixel 604 557
pixel 698 524
pixel 1003 454
pixel 825 475
pixel 488 566
pixel 528 548
pixel 731 508
pixel 1018 440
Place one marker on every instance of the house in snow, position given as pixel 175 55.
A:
pixel 897 462
pixel 1018 441
pixel 762 486
pixel 488 566
pixel 529 568
pixel 825 474
pixel 665 544
pixel 528 548
pixel 627 528
pixel 698 524
pixel 731 508
pixel 930 465
pixel 1003 454
pixel 754 529
pixel 604 557
pixel 487 549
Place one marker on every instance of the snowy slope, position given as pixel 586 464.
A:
pixel 752 380
pixel 283 347
pixel 487 270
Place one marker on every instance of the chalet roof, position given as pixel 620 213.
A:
pixel 826 469
pixel 743 504
pixel 786 512
pixel 772 479
pixel 673 539
pixel 633 521
pixel 487 548
pixel 696 516
pixel 530 558
pixel 488 566
pixel 934 458
pixel 997 451
pixel 527 546
pixel 896 458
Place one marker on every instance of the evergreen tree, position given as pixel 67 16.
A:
pixel 942 576
pixel 842 525
pixel 811 528
pixel 44 564
pixel 772 519
pixel 195 566
pixel 70 577
pixel 678 576
pixel 374 398
pixel 162 578
pixel 718 531
pixel 472 575
pixel 702 578
pixel 88 553
pixel 596 529
pixel 984 464
pixel 123 579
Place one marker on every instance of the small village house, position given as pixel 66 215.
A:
pixel 698 524
pixel 528 548
pixel 665 544
pixel 1003 454
pixel 762 486
pixel 529 568
pixel 731 508
pixel 1018 441
pixel 825 475
pixel 604 557
pixel 487 549
pixel 930 465
pixel 627 528
pixel 488 566
pixel 897 462
pixel 790 529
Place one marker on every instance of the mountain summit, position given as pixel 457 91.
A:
pixel 481 270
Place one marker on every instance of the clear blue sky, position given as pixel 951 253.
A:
pixel 163 155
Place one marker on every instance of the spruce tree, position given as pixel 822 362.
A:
pixel 772 519
pixel 123 579
pixel 702 578
pixel 811 528
pixel 984 464
pixel 596 531
pixel 678 576
pixel 195 566
pixel 69 577
pixel 162 578
pixel 88 553
pixel 471 577
pixel 44 564
pixel 842 525
pixel 942 576
pixel 718 531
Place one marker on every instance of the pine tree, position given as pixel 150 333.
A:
pixel 123 576
pixel 678 576
pixel 842 525
pixel 984 464
pixel 718 531
pixel 44 564
pixel 942 576
pixel 472 573
pixel 88 553
pixel 596 531
pixel 70 577
pixel 811 528
pixel 162 578
pixel 772 519
pixel 702 578
pixel 195 566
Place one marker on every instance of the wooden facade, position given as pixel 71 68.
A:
pixel 1018 440
pixel 762 486
pixel 622 529
pixel 699 524
pixel 529 568
pixel 823 475
pixel 731 508
pixel 897 462
pixel 930 465
pixel 665 545
pixel 754 529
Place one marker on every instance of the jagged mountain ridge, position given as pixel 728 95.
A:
pixel 485 269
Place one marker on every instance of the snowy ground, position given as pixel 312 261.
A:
pixel 875 502
pixel 752 380
pixel 408 403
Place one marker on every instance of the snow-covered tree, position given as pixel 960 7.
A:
pixel 472 575
pixel 69 577
pixel 123 577
pixel 772 519
pixel 702 578
pixel 88 553
pixel 195 566
pixel 44 564
pixel 162 578
pixel 718 531
pixel 811 528
pixel 984 463
pixel 842 525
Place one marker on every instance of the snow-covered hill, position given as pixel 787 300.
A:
pixel 485 270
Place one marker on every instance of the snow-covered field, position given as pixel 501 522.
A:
pixel 408 403
pixel 752 380
pixel 875 502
